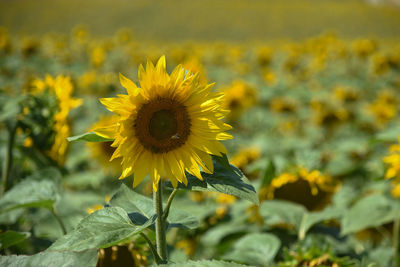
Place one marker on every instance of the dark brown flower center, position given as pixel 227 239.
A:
pixel 162 125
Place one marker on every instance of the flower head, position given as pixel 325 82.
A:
pixel 168 126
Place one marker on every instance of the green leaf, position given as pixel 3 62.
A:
pixel 280 211
pixel 140 208
pixel 31 193
pixel 89 137
pixel 203 263
pixel 312 218
pixel 52 258
pixel 390 134
pixel 10 238
pixel 226 179
pixel 256 249
pixel 214 235
pixel 11 108
pixel 49 173
pixel 371 211
pixel 268 173
pixel 103 228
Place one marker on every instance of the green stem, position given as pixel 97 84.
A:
pixel 8 158
pixel 64 230
pixel 396 232
pixel 169 202
pixel 161 239
pixel 152 248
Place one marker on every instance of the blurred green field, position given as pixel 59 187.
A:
pixel 236 20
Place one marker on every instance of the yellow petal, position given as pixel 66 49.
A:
pixel 130 86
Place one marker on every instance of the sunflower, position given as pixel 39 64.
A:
pixel 171 124
pixel 61 88
pixel 312 189
pixel 240 96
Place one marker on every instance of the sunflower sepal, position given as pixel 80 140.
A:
pixel 89 137
pixel 226 179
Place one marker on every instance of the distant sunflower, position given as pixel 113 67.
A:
pixel 312 189
pixel 62 88
pixel 239 97
pixel 168 126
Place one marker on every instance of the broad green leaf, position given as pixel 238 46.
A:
pixel 257 249
pixel 203 263
pixel 72 208
pixel 10 238
pixel 31 193
pixel 103 228
pixel 371 211
pixel 312 218
pixel 226 179
pixel 391 134
pixel 140 208
pixel 214 235
pixel 280 211
pixel 381 256
pixel 89 137
pixel 52 258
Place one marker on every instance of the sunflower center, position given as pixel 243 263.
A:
pixel 162 125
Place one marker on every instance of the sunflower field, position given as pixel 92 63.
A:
pixel 200 133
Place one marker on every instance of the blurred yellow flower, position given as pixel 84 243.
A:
pixel 98 56
pixel 384 108
pixel 245 156
pixel 393 171
pixel 239 96
pixel 62 87
pixel 189 246
pixel 282 104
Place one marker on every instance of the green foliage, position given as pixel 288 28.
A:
pixel 203 263
pixel 10 108
pixel 40 190
pixel 89 137
pixel 257 249
pixel 313 256
pixel 226 179
pixel 52 258
pixel 277 211
pixel 101 229
pixel 10 238
pixel 370 211
pixel 140 208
